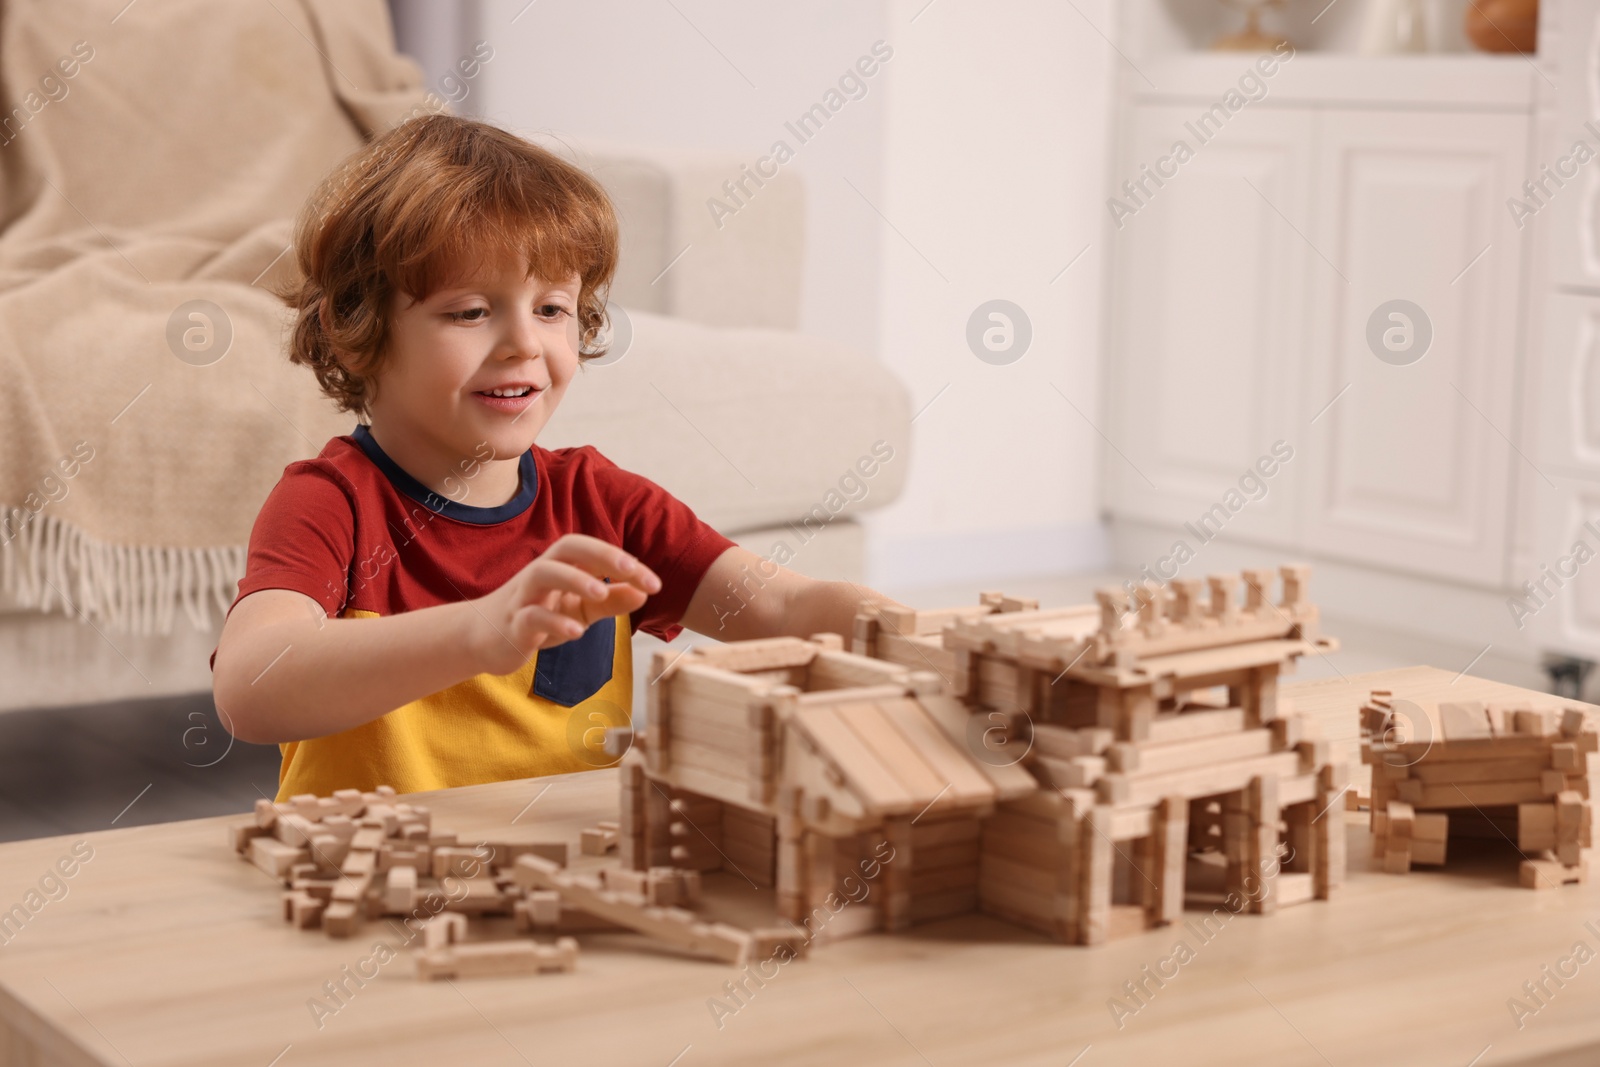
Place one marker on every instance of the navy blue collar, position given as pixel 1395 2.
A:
pixel 527 489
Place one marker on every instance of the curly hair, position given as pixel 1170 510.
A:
pixel 436 191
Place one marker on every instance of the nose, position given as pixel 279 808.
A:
pixel 524 340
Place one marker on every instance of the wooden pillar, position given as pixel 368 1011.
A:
pixel 632 836
pixel 1259 696
pixel 658 705
pixel 1112 602
pixel 1069 867
pixel 1262 802
pixel 792 876
pixel 1235 841
pixel 1224 597
pixel 1152 608
pixel 1328 859
pixel 657 824
pixel 1186 600
pixel 1169 852
pixel 1138 712
pixel 1094 892
pixel 1295 577
pixel 1258 591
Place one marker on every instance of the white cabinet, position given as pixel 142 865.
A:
pixel 1241 298
pixel 1568 426
pixel 1208 304
pixel 1411 464
pixel 1571 190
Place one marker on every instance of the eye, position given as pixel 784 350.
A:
pixel 553 310
pixel 461 316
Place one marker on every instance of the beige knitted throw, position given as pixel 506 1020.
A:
pixel 153 154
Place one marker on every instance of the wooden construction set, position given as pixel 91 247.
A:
pixel 356 856
pixel 1521 773
pixel 1086 772
pixel 1064 769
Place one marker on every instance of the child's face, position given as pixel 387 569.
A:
pixel 493 329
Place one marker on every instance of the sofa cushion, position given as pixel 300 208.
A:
pixel 749 427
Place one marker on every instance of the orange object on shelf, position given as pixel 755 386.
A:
pixel 1504 25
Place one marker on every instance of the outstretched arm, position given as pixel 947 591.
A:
pixel 744 595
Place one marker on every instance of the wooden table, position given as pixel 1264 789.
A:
pixel 167 950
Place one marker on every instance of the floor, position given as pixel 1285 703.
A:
pixel 127 763
pixel 71 770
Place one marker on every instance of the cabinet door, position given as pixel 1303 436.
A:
pixel 1557 603
pixel 1410 464
pixel 1568 423
pixel 1207 323
pixel 1572 207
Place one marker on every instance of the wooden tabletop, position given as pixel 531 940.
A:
pixel 166 949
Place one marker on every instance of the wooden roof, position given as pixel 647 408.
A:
pixel 890 757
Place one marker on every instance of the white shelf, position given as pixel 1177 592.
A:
pixel 1453 81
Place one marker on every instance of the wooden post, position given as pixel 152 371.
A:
pixel 1328 861
pixel 658 704
pixel 1224 597
pixel 1169 848
pixel 1295 577
pixel 1069 868
pixel 1094 893
pixel 1262 801
pixel 657 823
pixel 792 876
pixel 632 824
pixel 1259 696
pixel 1186 600
pixel 1112 602
pixel 1152 608
pixel 1257 584
pixel 1138 712
pixel 1236 841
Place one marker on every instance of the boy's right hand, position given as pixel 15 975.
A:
pixel 554 599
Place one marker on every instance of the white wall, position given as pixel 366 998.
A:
pixel 721 76
pixel 981 146
pixel 995 162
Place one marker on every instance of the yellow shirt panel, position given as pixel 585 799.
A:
pixel 489 728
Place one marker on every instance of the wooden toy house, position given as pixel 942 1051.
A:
pixel 823 774
pixel 1517 771
pixel 1084 771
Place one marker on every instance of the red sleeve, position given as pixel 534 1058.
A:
pixel 303 539
pixel 666 534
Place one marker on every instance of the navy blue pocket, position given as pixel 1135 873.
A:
pixel 572 673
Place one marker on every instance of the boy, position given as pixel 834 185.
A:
pixel 433 600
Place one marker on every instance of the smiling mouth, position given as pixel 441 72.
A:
pixel 511 394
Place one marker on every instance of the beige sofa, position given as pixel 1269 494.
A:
pixel 716 397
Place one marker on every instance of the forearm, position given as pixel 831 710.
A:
pixel 825 607
pixel 302 678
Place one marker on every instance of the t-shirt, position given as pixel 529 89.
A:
pixel 355 532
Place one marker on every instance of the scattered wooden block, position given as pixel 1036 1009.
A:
pixel 497 959
pixel 597 841
pixel 275 857
pixel 1548 874
pixel 341 919
pixel 302 909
